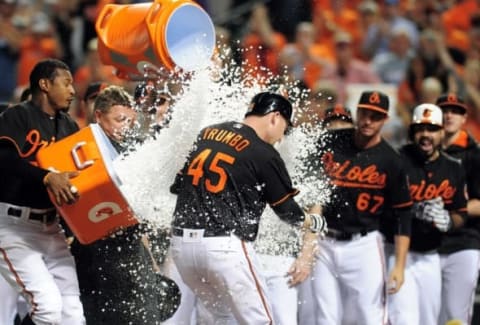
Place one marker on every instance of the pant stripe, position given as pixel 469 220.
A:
pixel 384 268
pixel 19 281
pixel 257 283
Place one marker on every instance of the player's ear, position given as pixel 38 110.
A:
pixel 43 84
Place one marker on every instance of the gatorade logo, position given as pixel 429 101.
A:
pixel 103 210
pixel 374 98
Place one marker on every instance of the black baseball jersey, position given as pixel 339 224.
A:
pixel 227 180
pixel 443 177
pixel 365 182
pixel 467 237
pixel 24 129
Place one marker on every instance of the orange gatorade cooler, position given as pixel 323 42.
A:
pixel 101 208
pixel 162 33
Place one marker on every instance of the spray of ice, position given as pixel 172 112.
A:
pixel 214 95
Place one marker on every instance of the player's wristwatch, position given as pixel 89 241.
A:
pixel 318 223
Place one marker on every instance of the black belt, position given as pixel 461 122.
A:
pixel 343 235
pixel 206 233
pixel 46 217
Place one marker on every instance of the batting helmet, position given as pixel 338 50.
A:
pixel 267 102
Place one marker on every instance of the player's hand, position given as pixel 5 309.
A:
pixel 61 188
pixel 439 216
pixel 300 269
pixel 395 280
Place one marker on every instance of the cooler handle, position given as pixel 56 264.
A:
pixel 76 159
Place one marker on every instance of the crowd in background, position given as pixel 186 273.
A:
pixel 420 48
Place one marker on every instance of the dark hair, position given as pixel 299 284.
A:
pixel 45 69
pixel 25 94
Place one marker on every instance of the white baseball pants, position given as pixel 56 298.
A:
pixel 284 299
pixel 349 281
pixel 223 272
pixel 36 261
pixel 418 300
pixel 459 280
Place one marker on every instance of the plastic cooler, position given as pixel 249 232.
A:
pixel 101 208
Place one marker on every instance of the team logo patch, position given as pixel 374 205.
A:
pixel 374 98
pixel 427 113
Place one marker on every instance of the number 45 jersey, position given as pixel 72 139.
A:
pixel 366 182
pixel 229 177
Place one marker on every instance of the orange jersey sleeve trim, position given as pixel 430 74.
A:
pixel 403 205
pixel 286 197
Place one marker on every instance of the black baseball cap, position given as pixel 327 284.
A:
pixel 94 89
pixel 452 100
pixel 375 101
pixel 337 112
pixel 266 102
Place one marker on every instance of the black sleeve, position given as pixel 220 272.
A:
pixel 403 221
pixel 177 184
pixel 11 163
pixel 289 211
pixel 473 176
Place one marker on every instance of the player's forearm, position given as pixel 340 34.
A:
pixel 473 208
pixel 11 163
pixel 457 219
pixel 402 244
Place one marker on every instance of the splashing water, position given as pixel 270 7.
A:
pixel 211 96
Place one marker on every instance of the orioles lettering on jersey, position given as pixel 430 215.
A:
pixel 424 191
pixel 33 143
pixel 347 175
pixel 234 140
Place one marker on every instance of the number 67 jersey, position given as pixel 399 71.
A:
pixel 365 182
pixel 229 177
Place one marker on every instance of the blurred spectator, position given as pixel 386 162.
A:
pixel 428 62
pixel 456 23
pixel 312 56
pixel 261 45
pixel 378 34
pixel 373 28
pixel 93 70
pixel 397 20
pixel 39 43
pixel 85 114
pixel 347 69
pixel 391 65
pixel 471 81
pixel 11 31
pixel 323 95
pixel 83 27
pixel 334 17
pixel 430 89
pixel 63 17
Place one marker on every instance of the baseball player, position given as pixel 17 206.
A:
pixel 232 172
pixel 336 117
pixel 34 257
pixel 349 276
pixel 437 186
pixel 460 249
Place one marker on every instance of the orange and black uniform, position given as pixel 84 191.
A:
pixel 24 129
pixel 442 177
pixel 365 182
pixel 230 176
pixel 468 236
